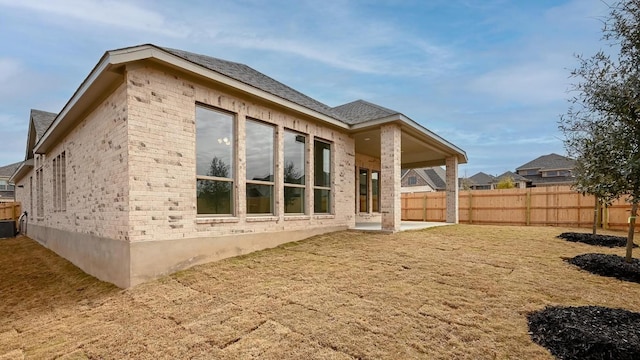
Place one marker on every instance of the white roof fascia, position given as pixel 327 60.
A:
pixel 20 169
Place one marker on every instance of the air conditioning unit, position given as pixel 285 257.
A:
pixel 7 229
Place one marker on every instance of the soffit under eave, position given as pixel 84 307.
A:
pixel 22 170
pixel 415 131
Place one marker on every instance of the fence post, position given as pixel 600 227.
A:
pixel 424 207
pixel 470 208
pixel 605 215
pixel 528 208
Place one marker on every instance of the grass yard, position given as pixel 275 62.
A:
pixel 452 292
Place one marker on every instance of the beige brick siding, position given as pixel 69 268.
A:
pixel 96 174
pixel 390 138
pixel 162 160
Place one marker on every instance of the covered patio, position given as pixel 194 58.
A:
pixel 386 145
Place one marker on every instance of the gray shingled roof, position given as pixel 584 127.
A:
pixel 551 161
pixel 41 121
pixel 481 179
pixel 514 176
pixel 360 111
pixel 436 176
pixel 254 78
pixel 8 170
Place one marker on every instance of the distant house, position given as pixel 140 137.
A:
pixel 546 170
pixel 423 179
pixel 39 122
pixel 519 181
pixel 479 181
pixel 6 187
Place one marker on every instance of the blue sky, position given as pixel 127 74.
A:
pixel 491 76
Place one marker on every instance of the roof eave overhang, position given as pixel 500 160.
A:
pixel 22 170
pixel 118 58
pixel 417 131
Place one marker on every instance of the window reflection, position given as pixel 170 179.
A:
pixel 214 161
pixel 260 164
pixel 294 172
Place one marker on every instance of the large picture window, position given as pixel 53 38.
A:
pixel 260 165
pixel 322 177
pixel 215 156
pixel 294 170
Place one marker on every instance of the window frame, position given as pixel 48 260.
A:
pixel 317 187
pixel 375 192
pixel 365 172
pixel 233 178
pixel 305 183
pixel 271 183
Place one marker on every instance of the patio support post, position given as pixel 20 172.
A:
pixel 390 153
pixel 452 189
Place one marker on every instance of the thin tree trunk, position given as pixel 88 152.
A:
pixel 595 215
pixel 632 229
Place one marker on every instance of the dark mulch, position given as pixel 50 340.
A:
pixel 599 240
pixel 587 332
pixel 608 265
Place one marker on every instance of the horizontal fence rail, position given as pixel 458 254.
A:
pixel 10 211
pixel 541 206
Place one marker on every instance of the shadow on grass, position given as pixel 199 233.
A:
pixel 36 279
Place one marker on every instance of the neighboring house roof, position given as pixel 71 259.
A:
pixel 549 162
pixel 540 180
pixel 514 176
pixel 360 111
pixel 481 179
pixel 8 170
pixel 436 176
pixel 41 121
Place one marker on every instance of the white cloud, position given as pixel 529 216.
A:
pixel 525 83
pixel 119 14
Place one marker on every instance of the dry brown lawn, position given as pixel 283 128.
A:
pixel 454 292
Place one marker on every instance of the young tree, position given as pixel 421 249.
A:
pixel 506 182
pixel 291 176
pixel 216 193
pixel 602 125
pixel 594 170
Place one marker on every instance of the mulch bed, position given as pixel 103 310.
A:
pixel 608 265
pixel 599 240
pixel 587 332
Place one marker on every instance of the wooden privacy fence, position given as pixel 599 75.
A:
pixel 10 211
pixel 542 206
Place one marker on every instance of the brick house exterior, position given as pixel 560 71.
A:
pixel 6 187
pixel 423 179
pixel 548 170
pixel 121 181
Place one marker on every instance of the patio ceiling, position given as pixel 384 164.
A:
pixel 418 149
